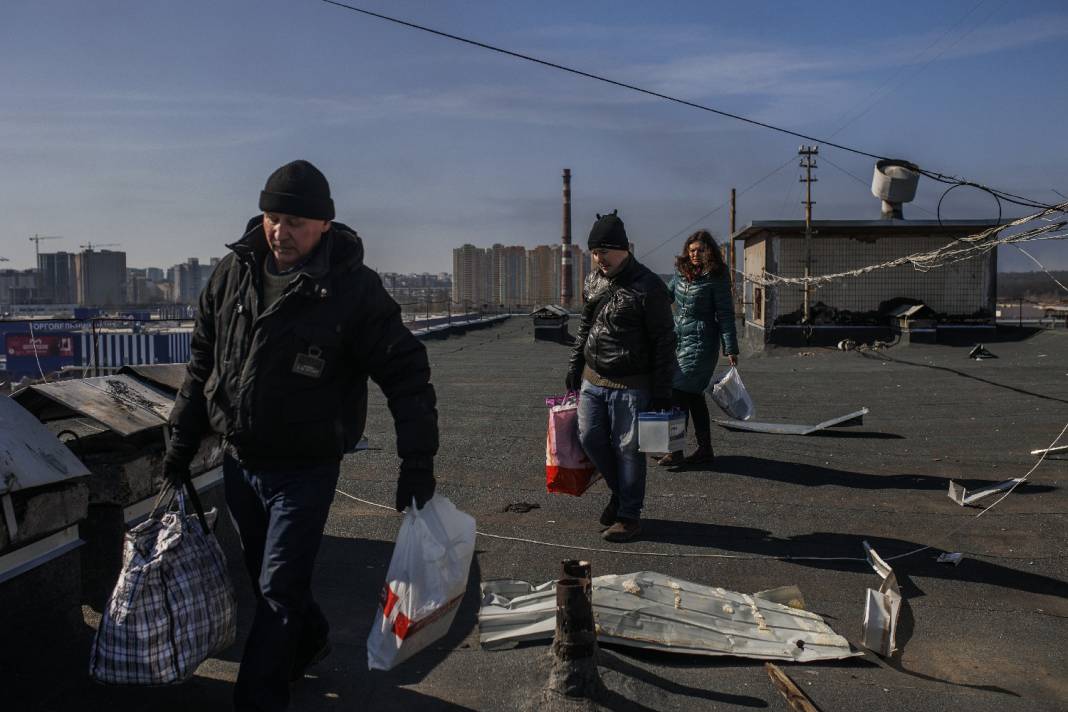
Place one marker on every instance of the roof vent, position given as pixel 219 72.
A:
pixel 894 183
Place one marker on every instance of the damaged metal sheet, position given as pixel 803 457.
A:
pixel 31 456
pixel 854 418
pixel 653 611
pixel 961 496
pixel 881 608
pixel 168 375
pixel 121 403
pixel 950 557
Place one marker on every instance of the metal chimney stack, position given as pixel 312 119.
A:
pixel 565 242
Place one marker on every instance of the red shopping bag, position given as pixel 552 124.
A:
pixel 567 469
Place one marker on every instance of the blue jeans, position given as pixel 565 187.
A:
pixel 608 431
pixel 280 516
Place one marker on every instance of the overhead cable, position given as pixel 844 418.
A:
pixel 716 209
pixel 703 107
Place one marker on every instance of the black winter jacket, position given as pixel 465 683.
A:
pixel 633 333
pixel 287 387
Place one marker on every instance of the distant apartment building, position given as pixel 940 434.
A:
pixel 543 275
pixel 189 278
pixel 141 289
pixel 468 266
pixel 100 277
pixel 515 276
pixel 18 286
pixel 56 278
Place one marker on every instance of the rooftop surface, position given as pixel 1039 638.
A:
pixel 985 635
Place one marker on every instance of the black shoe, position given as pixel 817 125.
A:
pixel 608 516
pixel 703 455
pixel 302 663
pixel 623 530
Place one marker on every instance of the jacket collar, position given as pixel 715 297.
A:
pixel 340 247
pixel 630 271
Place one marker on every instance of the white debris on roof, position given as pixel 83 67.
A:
pixel 854 418
pixel 881 608
pixel 665 614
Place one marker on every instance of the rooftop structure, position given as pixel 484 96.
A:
pixel 963 293
pixel 986 635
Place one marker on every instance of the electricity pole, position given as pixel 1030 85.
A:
pixel 808 162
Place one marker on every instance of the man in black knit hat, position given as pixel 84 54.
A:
pixel 288 329
pixel 622 364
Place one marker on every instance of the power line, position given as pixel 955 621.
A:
pixel 716 209
pixel 897 75
pixel 934 175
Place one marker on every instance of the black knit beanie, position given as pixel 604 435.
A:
pixel 608 233
pixel 300 189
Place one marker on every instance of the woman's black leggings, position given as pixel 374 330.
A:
pixel 697 411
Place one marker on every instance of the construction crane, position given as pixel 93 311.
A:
pixel 89 246
pixel 36 240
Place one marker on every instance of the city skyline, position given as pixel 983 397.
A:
pixel 148 125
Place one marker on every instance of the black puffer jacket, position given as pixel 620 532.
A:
pixel 287 387
pixel 633 333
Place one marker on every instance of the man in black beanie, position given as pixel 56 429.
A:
pixel 288 329
pixel 622 364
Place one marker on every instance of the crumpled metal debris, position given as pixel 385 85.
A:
pixel 654 611
pixel 961 496
pixel 854 418
pixel 881 608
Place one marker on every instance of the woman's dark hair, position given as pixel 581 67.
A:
pixel 716 264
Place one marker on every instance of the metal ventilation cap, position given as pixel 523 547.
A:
pixel 894 183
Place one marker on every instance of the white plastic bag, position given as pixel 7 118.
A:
pixel 425 583
pixel 729 394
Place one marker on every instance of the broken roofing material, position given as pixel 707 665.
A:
pixel 654 611
pixel 30 456
pixel 961 496
pixel 854 418
pixel 881 608
pixel 121 403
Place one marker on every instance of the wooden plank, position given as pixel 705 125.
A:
pixel 797 700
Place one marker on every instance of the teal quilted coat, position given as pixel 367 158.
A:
pixel 704 320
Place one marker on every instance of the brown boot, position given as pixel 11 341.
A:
pixel 671 459
pixel 623 530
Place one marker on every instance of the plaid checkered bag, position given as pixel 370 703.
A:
pixel 173 605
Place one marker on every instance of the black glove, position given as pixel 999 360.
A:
pixel 659 404
pixel 175 471
pixel 416 480
pixel 573 382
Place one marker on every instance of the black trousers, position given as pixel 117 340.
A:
pixel 280 517
pixel 696 412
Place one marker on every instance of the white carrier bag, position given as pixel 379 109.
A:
pixel 730 395
pixel 425 583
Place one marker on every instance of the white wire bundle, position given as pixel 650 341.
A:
pixel 956 251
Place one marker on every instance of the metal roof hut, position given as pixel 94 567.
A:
pixel 959 295
pixel 550 323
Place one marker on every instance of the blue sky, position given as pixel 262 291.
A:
pixel 154 124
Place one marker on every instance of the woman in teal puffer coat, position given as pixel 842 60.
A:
pixel 704 322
